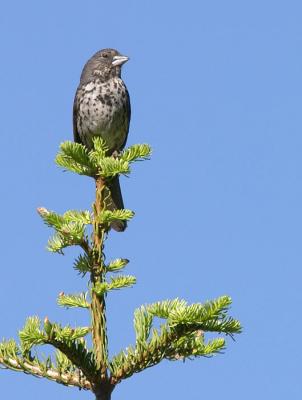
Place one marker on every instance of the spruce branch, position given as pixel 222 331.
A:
pixel 83 217
pixel 109 167
pixel 106 216
pixel 70 229
pixel 63 363
pixel 72 300
pixel 117 265
pixel 66 339
pixel 39 371
pixel 83 264
pixel 168 344
pixel 121 281
pixel 116 283
pixel 137 152
pixel 70 341
pixel 51 218
pixel 182 336
pixel 14 358
pixel 74 157
pixel 162 309
pixel 9 349
pixel 78 354
pixel 100 149
pixel 73 235
pixel 142 325
pixel 58 222
pixel 97 162
pixel 31 334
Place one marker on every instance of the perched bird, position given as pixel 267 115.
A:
pixel 102 108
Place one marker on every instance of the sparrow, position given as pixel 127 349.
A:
pixel 102 108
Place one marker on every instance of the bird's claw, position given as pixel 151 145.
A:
pixel 116 154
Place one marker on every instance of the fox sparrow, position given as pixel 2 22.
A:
pixel 102 108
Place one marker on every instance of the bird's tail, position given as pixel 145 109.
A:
pixel 115 202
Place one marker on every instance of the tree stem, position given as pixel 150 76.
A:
pixel 103 392
pixel 103 396
pixel 99 329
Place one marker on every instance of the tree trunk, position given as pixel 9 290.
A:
pixel 102 387
pixel 99 330
pixel 103 396
pixel 103 391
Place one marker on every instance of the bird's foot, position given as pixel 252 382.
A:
pixel 116 154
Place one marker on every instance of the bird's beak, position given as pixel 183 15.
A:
pixel 119 60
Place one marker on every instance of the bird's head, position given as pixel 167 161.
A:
pixel 104 64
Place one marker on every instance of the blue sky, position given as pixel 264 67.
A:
pixel 216 90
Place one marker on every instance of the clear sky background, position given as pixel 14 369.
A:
pixel 216 90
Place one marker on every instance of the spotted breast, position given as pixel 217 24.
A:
pixel 103 110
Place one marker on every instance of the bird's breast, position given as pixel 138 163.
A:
pixel 102 111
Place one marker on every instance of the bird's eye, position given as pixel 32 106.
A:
pixel 105 55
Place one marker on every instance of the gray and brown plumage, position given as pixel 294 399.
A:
pixel 102 108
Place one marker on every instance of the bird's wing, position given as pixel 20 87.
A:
pixel 128 113
pixel 76 136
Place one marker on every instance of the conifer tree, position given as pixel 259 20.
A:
pixel 75 363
